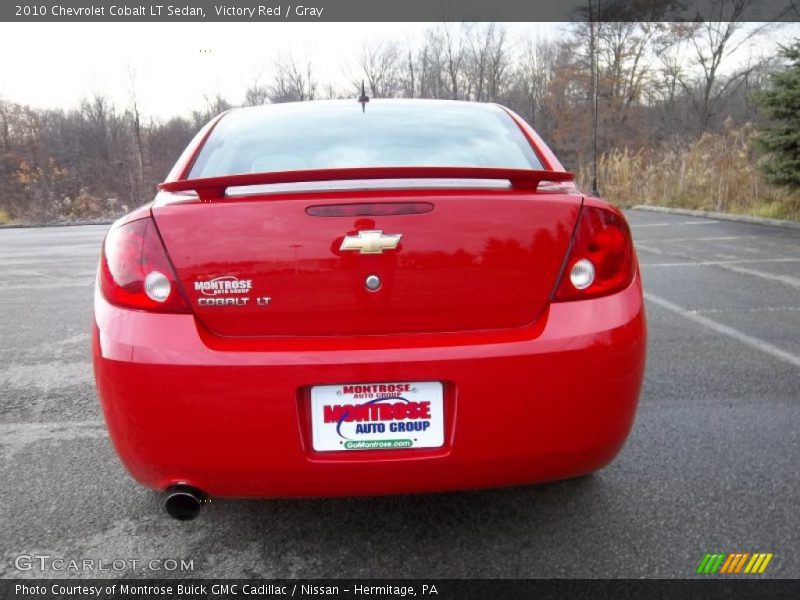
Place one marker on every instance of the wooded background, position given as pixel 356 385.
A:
pixel 677 104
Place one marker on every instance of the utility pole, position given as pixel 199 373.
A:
pixel 594 28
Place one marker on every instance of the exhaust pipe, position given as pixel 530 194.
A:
pixel 184 502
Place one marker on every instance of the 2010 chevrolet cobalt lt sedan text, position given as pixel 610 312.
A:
pixel 334 298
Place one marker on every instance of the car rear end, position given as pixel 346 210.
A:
pixel 323 301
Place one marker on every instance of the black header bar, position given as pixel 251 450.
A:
pixel 406 10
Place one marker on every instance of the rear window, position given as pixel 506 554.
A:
pixel 339 135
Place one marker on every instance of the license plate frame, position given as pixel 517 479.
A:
pixel 377 416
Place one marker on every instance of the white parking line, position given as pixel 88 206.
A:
pixel 706 263
pixel 78 428
pixel 650 249
pixel 676 223
pixel 52 285
pixel 47 254
pixel 788 280
pixel 751 341
pixel 38 261
pixel 47 376
pixel 784 279
pixel 721 238
pixel 15 436
pixel 758 309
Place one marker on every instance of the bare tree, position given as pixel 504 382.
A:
pixel 431 66
pixel 533 77
pixel 487 61
pixel 331 93
pixel 453 55
pixel 624 49
pixel 379 64
pixel 709 44
pixel 4 126
pixel 96 112
pixel 408 76
pixel 256 94
pixel 137 133
pixel 292 82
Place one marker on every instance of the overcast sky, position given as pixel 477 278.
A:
pixel 175 65
pixel 58 64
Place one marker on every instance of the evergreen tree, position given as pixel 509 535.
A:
pixel 780 141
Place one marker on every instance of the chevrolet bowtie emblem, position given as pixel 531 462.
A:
pixel 370 242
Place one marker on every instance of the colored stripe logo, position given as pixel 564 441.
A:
pixel 735 563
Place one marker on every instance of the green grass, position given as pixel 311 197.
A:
pixel 777 209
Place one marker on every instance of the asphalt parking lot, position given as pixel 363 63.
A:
pixel 711 465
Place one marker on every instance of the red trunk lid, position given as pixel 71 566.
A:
pixel 466 260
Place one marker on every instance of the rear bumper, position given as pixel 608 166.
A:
pixel 230 417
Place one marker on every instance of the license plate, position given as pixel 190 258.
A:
pixel 377 416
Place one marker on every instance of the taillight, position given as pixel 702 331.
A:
pixel 601 259
pixel 135 271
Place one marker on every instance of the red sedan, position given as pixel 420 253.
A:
pixel 328 298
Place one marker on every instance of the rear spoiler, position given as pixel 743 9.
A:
pixel 210 188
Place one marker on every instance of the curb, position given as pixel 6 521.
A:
pixel 721 216
pixel 56 224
